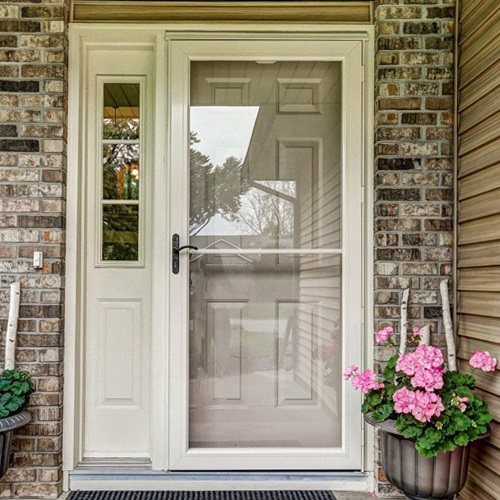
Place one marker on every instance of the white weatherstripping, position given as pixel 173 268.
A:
pixel 83 37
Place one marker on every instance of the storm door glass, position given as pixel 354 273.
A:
pixel 265 346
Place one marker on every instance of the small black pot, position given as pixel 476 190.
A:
pixel 7 427
pixel 420 478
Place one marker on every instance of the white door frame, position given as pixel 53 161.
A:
pixel 84 38
pixel 348 54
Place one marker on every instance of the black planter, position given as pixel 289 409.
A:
pixel 418 477
pixel 7 427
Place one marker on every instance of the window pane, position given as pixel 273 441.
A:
pixel 120 232
pixel 120 171
pixel 265 153
pixel 121 111
pixel 265 351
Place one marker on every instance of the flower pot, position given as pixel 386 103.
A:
pixel 420 478
pixel 7 427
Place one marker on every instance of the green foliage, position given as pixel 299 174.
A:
pixel 16 388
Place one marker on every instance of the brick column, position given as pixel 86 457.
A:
pixel 413 170
pixel 32 176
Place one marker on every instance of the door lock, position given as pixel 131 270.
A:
pixel 176 249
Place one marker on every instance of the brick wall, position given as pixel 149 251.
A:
pixel 414 165
pixel 32 176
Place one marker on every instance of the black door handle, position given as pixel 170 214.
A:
pixel 175 252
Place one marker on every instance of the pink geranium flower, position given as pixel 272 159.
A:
pixel 366 381
pixel 460 402
pixel 427 405
pixel 384 334
pixel 484 361
pixel 404 400
pixel 425 357
pixel 429 379
pixel 350 371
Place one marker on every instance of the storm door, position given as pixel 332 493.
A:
pixel 266 306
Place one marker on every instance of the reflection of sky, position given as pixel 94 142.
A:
pixel 220 227
pixel 223 130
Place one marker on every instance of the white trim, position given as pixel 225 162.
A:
pixel 72 361
pixel 161 279
pixel 368 344
pixel 81 36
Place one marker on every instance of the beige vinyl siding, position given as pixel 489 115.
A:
pixel 479 222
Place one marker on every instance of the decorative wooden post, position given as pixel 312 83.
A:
pixel 448 326
pixel 10 339
pixel 404 321
pixel 425 335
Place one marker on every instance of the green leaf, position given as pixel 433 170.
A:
pixel 483 417
pixel 448 444
pixel 15 390
pixel 429 438
pixel 382 413
pixel 372 399
pixel 388 374
pixel 428 453
pixel 392 361
pixel 411 432
pixel 408 426
pixel 389 391
pixel 462 439
pixel 462 422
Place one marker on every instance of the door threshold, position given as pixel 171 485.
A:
pixel 110 478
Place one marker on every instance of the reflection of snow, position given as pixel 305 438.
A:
pixel 223 131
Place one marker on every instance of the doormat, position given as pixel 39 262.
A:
pixel 201 495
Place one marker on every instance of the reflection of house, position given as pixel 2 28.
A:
pixel 50 194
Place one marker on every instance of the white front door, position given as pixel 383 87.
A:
pixel 265 165
pixel 228 356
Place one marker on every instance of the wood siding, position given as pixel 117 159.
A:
pixel 339 12
pixel 479 222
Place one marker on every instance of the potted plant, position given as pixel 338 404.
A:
pixel 15 390
pixel 427 416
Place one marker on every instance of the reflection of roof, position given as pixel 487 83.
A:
pixel 213 245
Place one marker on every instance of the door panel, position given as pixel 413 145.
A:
pixel 265 353
pixel 275 287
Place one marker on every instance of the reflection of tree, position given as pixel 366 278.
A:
pixel 120 232
pixel 120 172
pixel 266 211
pixel 120 182
pixel 214 189
pixel 121 128
pixel 259 208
